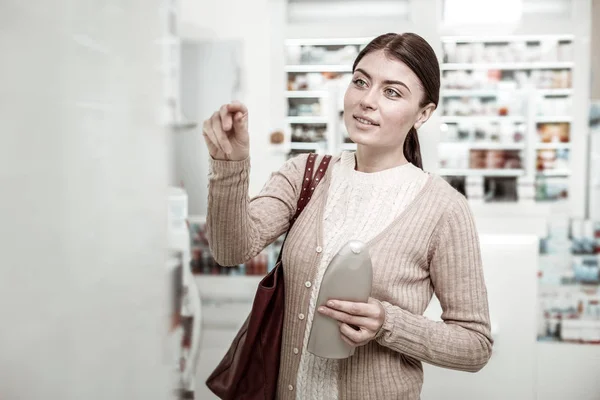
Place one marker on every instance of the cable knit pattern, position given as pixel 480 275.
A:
pixel 431 246
pixel 359 206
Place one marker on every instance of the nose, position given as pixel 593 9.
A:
pixel 369 100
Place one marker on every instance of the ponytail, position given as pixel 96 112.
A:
pixel 412 149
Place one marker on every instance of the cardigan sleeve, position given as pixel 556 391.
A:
pixel 238 228
pixel 463 339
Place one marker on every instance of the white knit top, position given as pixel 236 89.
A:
pixel 359 206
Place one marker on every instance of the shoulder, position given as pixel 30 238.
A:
pixel 447 197
pixel 452 207
pixel 298 163
pixel 294 168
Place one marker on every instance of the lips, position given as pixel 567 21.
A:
pixel 365 120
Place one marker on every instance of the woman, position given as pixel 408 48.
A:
pixel 420 232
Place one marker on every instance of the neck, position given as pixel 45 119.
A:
pixel 374 160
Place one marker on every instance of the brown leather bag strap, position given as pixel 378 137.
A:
pixel 308 187
pixel 309 183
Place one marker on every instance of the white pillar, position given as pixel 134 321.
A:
pixel 83 174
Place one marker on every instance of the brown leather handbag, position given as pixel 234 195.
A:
pixel 250 368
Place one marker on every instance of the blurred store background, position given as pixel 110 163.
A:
pixel 100 113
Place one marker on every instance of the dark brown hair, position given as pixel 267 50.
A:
pixel 417 54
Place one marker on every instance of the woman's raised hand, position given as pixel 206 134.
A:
pixel 226 133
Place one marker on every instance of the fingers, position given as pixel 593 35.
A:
pixel 225 128
pixel 370 309
pixel 219 133
pixel 348 341
pixel 209 138
pixel 355 337
pixel 226 119
pixel 235 106
pixel 240 116
pixel 361 322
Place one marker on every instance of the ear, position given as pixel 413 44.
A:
pixel 424 115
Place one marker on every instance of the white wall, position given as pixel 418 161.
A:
pixel 83 171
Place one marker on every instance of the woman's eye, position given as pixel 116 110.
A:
pixel 392 93
pixel 360 82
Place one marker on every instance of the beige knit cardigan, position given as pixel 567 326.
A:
pixel 431 247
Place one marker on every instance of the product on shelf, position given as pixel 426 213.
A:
pixel 495 159
pixel 453 159
pixel 500 189
pixel 498 105
pixel 487 132
pixel 583 236
pixel 569 299
pixel 277 137
pixel 493 91
pixel 570 313
pixel 553 106
pixel 304 107
pixel 551 188
pixel 316 80
pixel 597 236
pixel 549 50
pixel 203 263
pixel 322 54
pixel 308 133
pixel 257 265
pixel 552 159
pixel 493 79
pixel 553 132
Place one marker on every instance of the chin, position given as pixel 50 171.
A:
pixel 361 139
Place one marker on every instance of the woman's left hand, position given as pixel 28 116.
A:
pixel 359 322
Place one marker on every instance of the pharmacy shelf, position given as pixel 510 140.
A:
pixel 507 66
pixel 560 118
pixel 552 146
pixel 554 92
pixel 306 146
pixel 486 145
pixel 306 120
pixel 328 42
pixel 496 92
pixel 480 118
pixel 305 94
pixel 556 173
pixel 318 68
pixel 469 92
pixel 506 39
pixel 480 172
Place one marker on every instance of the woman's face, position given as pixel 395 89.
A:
pixel 383 101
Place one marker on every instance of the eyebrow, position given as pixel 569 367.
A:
pixel 387 82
